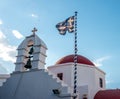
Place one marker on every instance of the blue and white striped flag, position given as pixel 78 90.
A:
pixel 67 25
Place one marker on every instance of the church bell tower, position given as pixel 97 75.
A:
pixel 31 53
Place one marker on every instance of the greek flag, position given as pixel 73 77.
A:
pixel 67 25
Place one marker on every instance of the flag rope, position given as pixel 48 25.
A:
pixel 75 56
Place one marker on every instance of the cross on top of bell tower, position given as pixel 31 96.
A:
pixel 31 53
pixel 34 30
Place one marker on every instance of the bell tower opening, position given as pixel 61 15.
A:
pixel 29 56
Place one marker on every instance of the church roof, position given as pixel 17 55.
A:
pixel 108 94
pixel 70 58
pixel 39 41
pixel 36 39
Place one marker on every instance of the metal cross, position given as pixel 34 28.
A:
pixel 34 30
pixel 70 21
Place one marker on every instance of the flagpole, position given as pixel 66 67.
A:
pixel 75 56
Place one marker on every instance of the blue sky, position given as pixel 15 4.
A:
pixel 98 31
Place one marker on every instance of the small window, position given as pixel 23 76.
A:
pixel 101 82
pixel 60 76
pixel 85 96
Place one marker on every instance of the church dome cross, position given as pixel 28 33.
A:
pixel 34 30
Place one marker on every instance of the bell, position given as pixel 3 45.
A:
pixel 28 64
pixel 31 51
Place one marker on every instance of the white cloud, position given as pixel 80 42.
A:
pixel 109 81
pixel 2 35
pixel 17 34
pixel 99 61
pixel 34 15
pixel 1 22
pixel 7 52
pixel 3 70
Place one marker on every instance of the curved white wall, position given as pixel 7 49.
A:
pixel 87 77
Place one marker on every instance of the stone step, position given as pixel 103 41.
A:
pixel 58 80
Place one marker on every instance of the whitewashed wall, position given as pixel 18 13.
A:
pixel 87 75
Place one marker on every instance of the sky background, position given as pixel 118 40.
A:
pixel 98 31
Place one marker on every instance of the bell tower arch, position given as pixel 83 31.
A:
pixel 31 53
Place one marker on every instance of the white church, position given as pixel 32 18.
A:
pixel 31 79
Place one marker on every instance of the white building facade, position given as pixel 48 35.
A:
pixel 90 79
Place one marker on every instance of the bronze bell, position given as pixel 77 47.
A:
pixel 28 64
pixel 31 50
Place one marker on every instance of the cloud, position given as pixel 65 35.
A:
pixel 109 81
pixel 17 34
pixel 1 22
pixel 99 62
pixel 7 52
pixel 2 36
pixel 34 15
pixel 3 70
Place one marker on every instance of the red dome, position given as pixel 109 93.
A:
pixel 70 58
pixel 108 94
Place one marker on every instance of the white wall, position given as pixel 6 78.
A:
pixel 66 70
pixel 86 76
pixel 34 84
